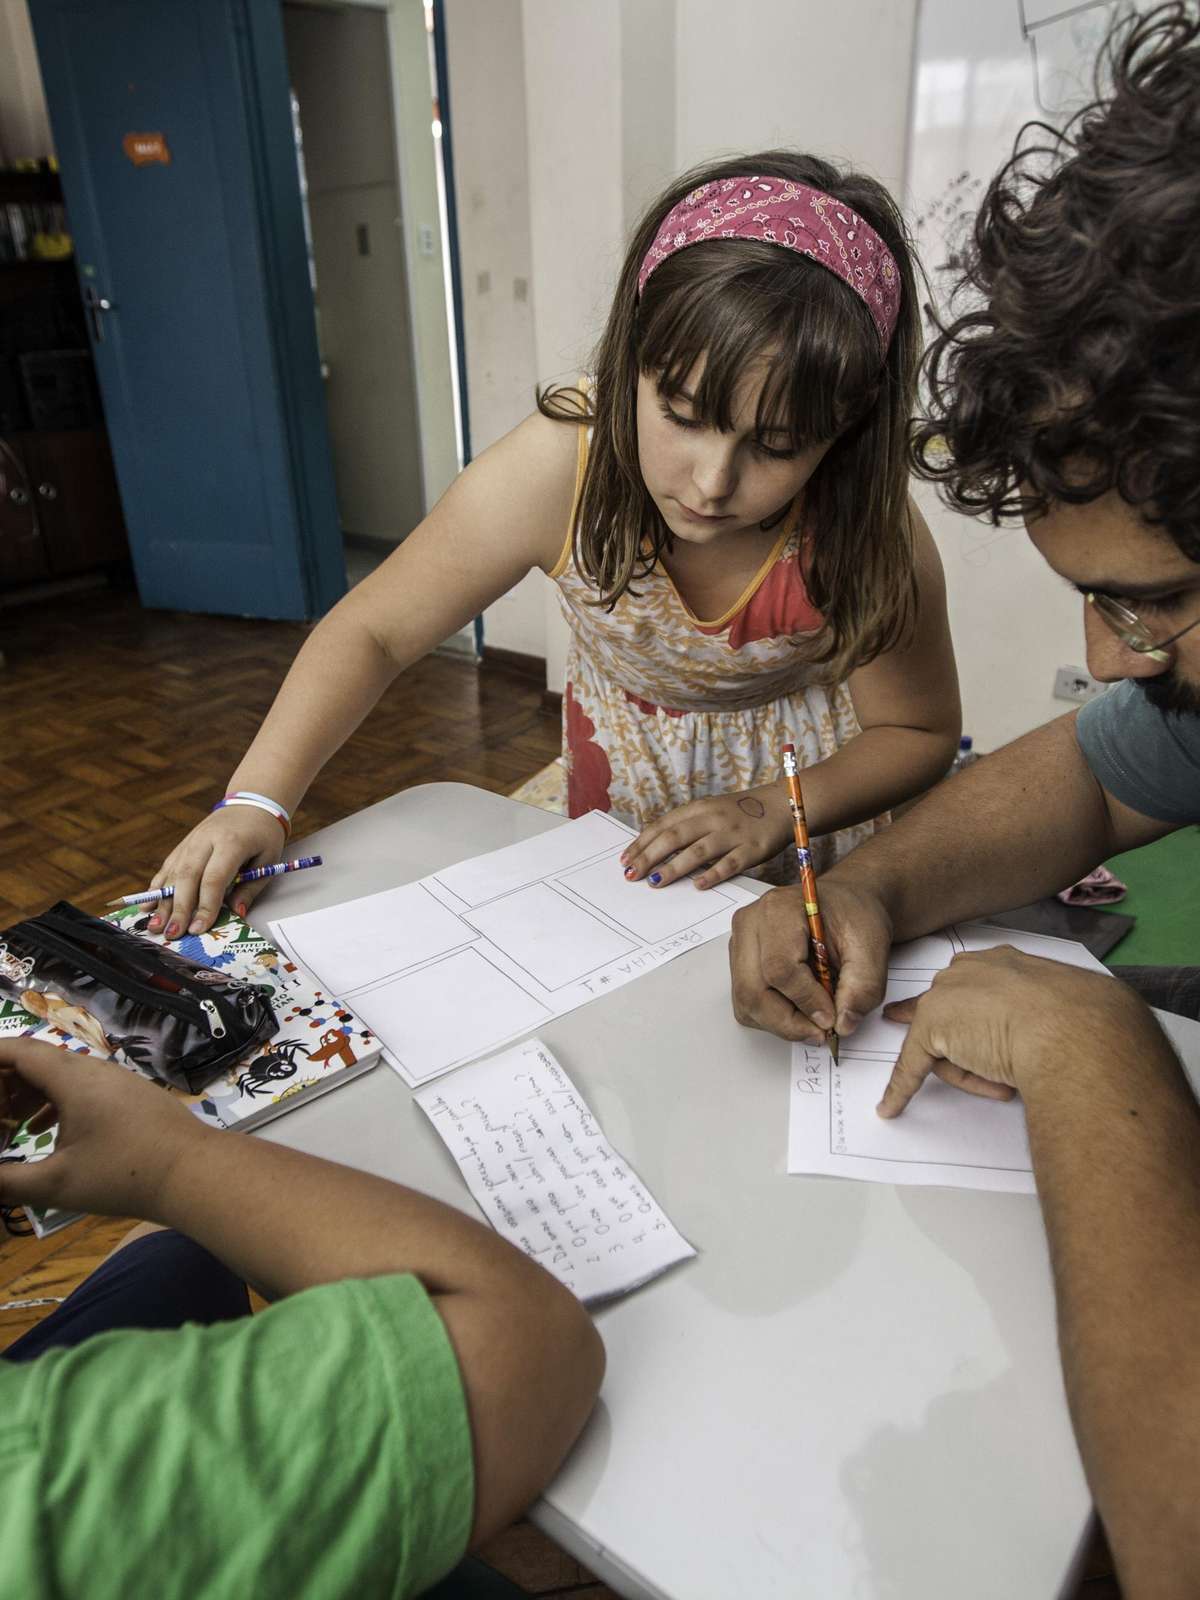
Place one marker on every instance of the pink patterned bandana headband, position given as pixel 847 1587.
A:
pixel 778 211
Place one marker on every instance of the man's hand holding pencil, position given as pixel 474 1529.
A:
pixel 774 985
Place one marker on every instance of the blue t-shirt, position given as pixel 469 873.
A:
pixel 1148 760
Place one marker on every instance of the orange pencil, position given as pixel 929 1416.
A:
pixel 808 884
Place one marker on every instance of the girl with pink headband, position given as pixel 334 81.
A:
pixel 723 506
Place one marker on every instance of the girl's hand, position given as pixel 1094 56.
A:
pixel 203 864
pixel 118 1136
pixel 724 834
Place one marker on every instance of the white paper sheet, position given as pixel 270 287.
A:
pixel 543 1174
pixel 469 958
pixel 945 1136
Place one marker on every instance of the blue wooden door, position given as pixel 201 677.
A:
pixel 172 120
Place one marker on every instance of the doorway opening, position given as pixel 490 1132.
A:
pixel 341 69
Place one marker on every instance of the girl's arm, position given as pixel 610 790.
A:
pixel 908 709
pixel 506 514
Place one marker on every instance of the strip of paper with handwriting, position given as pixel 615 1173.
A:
pixel 545 1177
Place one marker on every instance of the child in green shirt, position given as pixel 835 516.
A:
pixel 414 1384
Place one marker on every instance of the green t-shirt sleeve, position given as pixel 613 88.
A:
pixel 320 1448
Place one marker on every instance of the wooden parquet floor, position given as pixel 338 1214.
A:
pixel 119 727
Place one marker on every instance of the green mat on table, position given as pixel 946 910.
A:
pixel 1164 896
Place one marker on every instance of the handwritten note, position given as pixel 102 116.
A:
pixel 545 1177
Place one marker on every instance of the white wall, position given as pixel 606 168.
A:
pixel 833 79
pixel 574 89
pixel 535 95
pixel 487 105
pixel 24 125
pixel 1014 622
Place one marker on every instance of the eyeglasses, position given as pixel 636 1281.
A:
pixel 1132 631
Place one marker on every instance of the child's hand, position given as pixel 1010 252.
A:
pixel 20 1103
pixel 118 1135
pixel 202 866
pixel 724 834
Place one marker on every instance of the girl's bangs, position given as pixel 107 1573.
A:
pixel 813 343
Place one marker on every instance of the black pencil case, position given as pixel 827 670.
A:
pixel 174 1019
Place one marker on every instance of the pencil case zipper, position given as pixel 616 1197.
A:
pixel 120 982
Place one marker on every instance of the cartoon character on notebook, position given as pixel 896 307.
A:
pixel 275 1064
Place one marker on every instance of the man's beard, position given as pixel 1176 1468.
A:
pixel 1169 692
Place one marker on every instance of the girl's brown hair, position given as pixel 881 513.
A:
pixel 738 303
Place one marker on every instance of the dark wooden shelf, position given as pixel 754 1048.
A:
pixel 38 265
pixel 30 188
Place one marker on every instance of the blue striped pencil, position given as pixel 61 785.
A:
pixel 150 897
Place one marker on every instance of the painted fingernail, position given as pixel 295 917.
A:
pixel 172 930
pixel 629 872
pixel 155 924
pixel 240 908
pixel 656 877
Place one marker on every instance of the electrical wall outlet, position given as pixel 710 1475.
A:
pixel 1076 685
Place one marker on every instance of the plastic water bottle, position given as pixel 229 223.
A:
pixel 966 754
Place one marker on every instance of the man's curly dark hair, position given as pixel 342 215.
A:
pixel 1078 371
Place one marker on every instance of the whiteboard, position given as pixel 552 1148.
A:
pixel 982 69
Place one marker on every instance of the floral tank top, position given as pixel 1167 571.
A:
pixel 662 707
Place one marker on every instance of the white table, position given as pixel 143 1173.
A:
pixel 853 1391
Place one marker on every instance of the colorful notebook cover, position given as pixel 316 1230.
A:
pixel 319 1044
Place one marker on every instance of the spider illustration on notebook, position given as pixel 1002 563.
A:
pixel 275 1065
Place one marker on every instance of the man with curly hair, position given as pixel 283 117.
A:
pixel 1068 395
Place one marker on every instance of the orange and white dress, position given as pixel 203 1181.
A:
pixel 661 707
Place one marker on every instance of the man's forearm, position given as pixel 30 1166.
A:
pixel 877 769
pixel 1022 823
pixel 1115 1136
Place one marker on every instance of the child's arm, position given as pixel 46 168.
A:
pixel 908 709
pixel 506 514
pixel 530 1359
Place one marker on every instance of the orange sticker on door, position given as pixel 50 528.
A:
pixel 145 148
